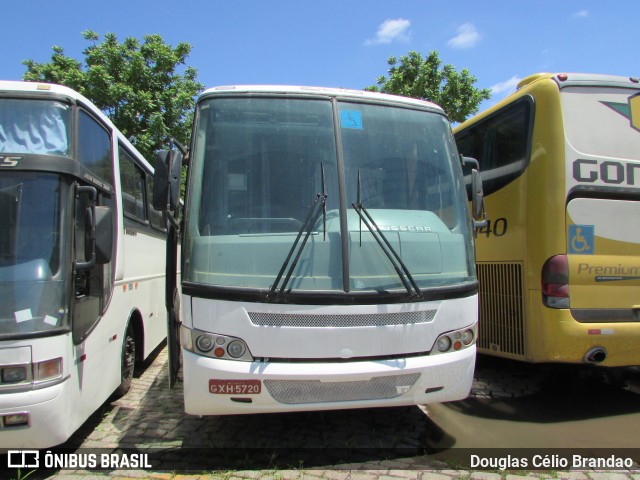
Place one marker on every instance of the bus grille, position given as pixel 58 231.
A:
pixel 375 320
pixel 294 392
pixel 501 327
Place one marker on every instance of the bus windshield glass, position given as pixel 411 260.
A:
pixel 585 110
pixel 265 197
pixel 33 266
pixel 34 126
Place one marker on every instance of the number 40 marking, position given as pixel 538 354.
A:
pixel 497 229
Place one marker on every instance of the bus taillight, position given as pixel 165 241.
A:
pixel 555 282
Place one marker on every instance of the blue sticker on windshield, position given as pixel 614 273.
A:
pixel 351 119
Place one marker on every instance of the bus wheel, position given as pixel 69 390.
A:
pixel 128 362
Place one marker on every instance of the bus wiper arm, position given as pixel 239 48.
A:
pixel 319 205
pixel 399 266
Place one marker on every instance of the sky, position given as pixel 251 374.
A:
pixel 341 43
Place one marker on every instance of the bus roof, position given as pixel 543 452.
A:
pixel 562 80
pixel 582 79
pixel 43 88
pixel 342 93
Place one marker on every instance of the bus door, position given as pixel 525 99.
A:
pixel 94 227
pixel 604 259
pixel 166 197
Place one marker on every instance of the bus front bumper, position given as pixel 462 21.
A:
pixel 223 387
pixel 47 416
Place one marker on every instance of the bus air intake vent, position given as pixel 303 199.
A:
pixel 295 392
pixel 501 327
pixel 360 320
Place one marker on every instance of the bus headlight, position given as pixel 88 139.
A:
pixel 467 336
pixel 217 346
pixel 444 343
pixel 455 340
pixel 38 372
pixel 14 374
pixel 205 343
pixel 236 349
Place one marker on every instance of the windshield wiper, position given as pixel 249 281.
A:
pixel 399 266
pixel 319 205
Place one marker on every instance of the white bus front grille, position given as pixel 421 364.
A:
pixel 359 320
pixel 294 392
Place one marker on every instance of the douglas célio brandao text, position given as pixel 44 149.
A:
pixel 550 461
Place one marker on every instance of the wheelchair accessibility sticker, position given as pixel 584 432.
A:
pixel 581 239
pixel 351 119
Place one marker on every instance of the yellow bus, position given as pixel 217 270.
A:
pixel 559 261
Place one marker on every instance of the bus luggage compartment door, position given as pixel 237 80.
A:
pixel 603 247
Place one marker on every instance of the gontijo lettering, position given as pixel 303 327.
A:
pixel 610 172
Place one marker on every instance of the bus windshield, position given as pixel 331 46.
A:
pixel 585 111
pixel 265 182
pixel 34 126
pixel 33 266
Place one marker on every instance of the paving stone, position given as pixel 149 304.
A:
pixel 571 476
pixel 436 476
pixel 152 416
pixel 399 474
pixel 607 476
pixel 357 475
pixel 485 476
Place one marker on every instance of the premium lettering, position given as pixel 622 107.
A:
pixel 608 270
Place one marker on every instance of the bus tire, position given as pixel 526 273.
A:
pixel 128 362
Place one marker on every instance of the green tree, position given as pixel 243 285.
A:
pixel 426 79
pixel 135 84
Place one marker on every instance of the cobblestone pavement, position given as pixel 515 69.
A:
pixel 375 444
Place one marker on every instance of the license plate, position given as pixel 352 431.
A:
pixel 235 387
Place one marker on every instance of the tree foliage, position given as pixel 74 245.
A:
pixel 426 79
pixel 135 84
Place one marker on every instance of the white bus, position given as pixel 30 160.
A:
pixel 327 254
pixel 82 263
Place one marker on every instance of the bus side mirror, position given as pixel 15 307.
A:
pixel 470 161
pixel 477 201
pixel 478 212
pixel 166 184
pixel 96 232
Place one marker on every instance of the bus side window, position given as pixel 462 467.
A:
pixel 156 219
pixel 94 147
pixel 501 143
pixel 132 178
